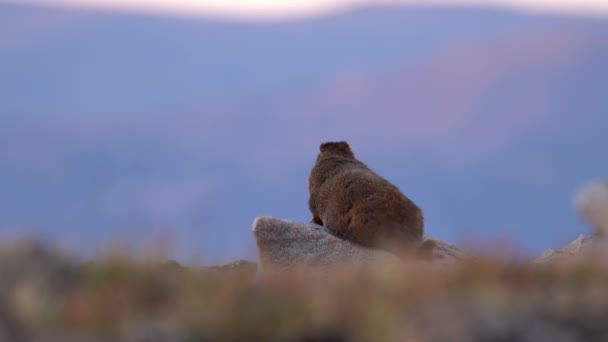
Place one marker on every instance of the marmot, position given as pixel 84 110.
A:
pixel 358 205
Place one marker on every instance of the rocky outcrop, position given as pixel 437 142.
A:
pixel 285 244
pixel 591 202
pixel 572 250
pixel 581 249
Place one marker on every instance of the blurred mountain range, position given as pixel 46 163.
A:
pixel 130 127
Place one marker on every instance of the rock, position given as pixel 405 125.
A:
pixel 583 247
pixel 242 267
pixel 591 202
pixel 284 244
pixel 447 253
pixel 33 278
pixel 573 249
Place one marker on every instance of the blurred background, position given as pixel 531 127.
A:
pixel 137 121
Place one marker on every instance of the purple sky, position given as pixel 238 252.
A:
pixel 126 128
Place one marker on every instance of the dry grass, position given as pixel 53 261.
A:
pixel 46 297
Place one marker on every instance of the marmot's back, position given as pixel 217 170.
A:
pixel 359 205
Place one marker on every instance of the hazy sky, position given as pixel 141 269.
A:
pixel 303 7
pixel 126 128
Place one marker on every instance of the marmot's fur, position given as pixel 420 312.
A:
pixel 359 205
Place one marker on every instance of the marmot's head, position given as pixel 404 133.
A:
pixel 340 148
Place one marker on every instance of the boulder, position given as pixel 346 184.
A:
pixel 569 252
pixel 591 203
pixel 580 249
pixel 284 244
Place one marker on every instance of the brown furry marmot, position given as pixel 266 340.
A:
pixel 358 205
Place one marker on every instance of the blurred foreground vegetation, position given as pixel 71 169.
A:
pixel 45 296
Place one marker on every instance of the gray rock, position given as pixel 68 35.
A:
pixel 571 250
pixel 591 203
pixel 584 246
pixel 284 244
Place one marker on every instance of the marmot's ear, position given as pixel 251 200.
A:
pixel 325 146
pixel 343 145
pixel 337 147
pixel 334 145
